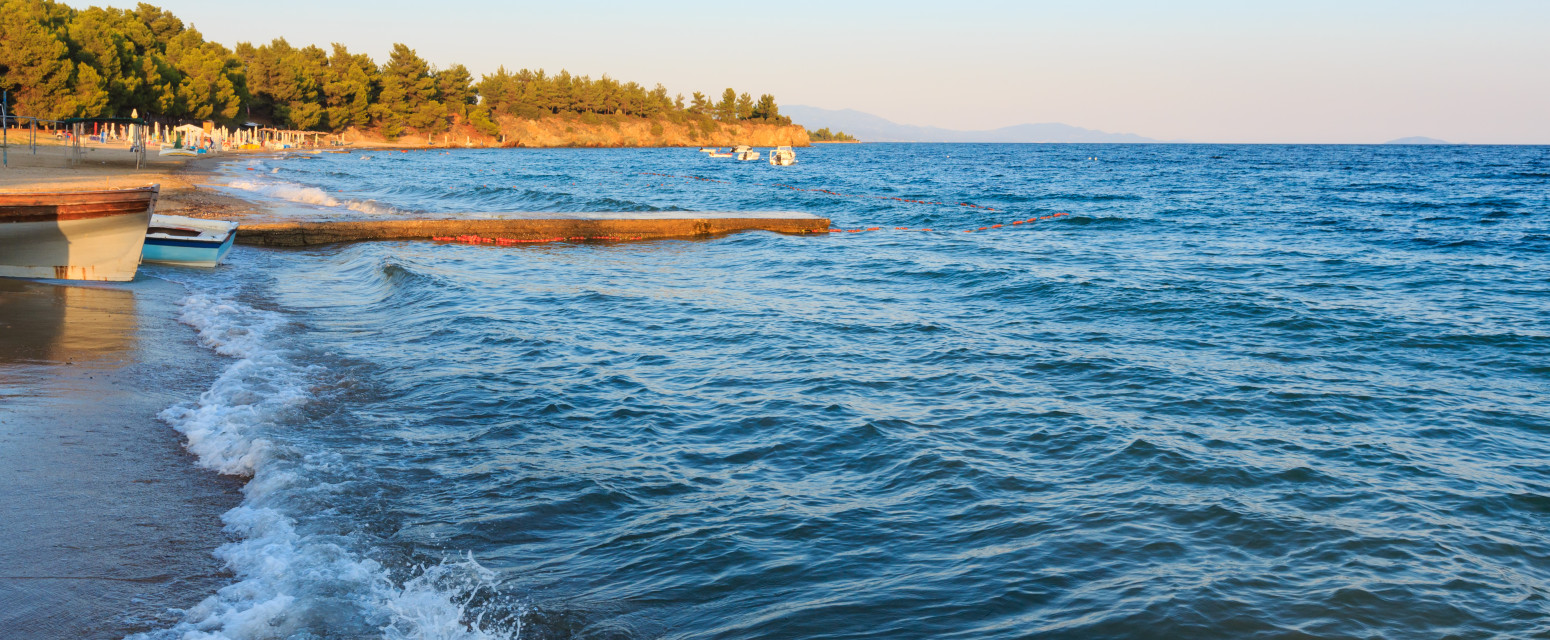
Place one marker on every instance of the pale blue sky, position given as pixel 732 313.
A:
pixel 1308 71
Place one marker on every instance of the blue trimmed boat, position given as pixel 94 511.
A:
pixel 189 242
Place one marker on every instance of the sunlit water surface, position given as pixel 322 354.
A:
pixel 1239 392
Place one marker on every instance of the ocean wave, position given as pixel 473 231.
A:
pixel 293 579
pixel 302 194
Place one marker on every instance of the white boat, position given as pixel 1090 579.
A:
pixel 189 242
pixel 745 152
pixel 783 157
pixel 75 235
pixel 709 150
pixel 718 154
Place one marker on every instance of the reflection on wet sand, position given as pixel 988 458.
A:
pixel 106 525
pixel 59 323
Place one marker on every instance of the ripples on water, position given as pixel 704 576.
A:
pixel 1239 392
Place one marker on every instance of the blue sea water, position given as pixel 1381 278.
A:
pixel 1238 392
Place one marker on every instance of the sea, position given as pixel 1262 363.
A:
pixel 1029 391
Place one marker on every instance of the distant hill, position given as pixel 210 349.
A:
pixel 1418 140
pixel 871 128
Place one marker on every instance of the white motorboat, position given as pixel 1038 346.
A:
pixel 745 152
pixel 783 157
pixel 75 235
pixel 189 242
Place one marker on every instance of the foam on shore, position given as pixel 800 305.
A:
pixel 293 579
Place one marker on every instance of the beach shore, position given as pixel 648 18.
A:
pixel 108 524
pixel 183 180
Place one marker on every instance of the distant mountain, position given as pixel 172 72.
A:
pixel 1418 140
pixel 870 128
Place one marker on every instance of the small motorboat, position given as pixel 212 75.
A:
pixel 708 150
pixel 188 242
pixel 75 235
pixel 783 157
pixel 745 152
pixel 716 153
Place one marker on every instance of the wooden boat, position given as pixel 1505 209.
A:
pixel 75 235
pixel 783 157
pixel 745 152
pixel 189 242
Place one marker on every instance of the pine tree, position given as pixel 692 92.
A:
pixel 349 89
pixel 499 91
pixel 61 62
pixel 744 107
pixel 726 110
pixel 455 86
pixel 34 62
pixel 766 109
pixel 210 77
pixel 408 97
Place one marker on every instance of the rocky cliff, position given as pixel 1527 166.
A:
pixel 598 131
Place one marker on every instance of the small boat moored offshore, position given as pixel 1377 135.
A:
pixel 783 157
pixel 190 242
pixel 75 235
pixel 716 153
pixel 745 152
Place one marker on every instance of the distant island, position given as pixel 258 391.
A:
pixel 877 129
pixel 1418 140
pixel 59 62
pixel 824 135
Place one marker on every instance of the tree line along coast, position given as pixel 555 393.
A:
pixel 59 62
pixel 824 135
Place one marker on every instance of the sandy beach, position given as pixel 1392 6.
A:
pixel 108 523
pixel 182 179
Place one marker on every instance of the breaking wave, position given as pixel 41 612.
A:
pixel 301 194
pixel 298 574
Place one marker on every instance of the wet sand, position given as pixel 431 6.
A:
pixel 107 522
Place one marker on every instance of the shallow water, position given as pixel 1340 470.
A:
pixel 1239 391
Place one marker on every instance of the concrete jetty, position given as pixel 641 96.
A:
pixel 635 225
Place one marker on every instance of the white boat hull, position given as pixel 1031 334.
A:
pixel 74 236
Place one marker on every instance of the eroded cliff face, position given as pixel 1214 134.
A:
pixel 600 131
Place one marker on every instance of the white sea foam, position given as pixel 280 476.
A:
pixel 369 206
pixel 287 191
pixel 292 582
pixel 302 194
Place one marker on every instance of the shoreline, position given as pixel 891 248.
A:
pixel 110 523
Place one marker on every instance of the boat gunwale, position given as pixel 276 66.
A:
pixel 130 191
pixel 48 207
